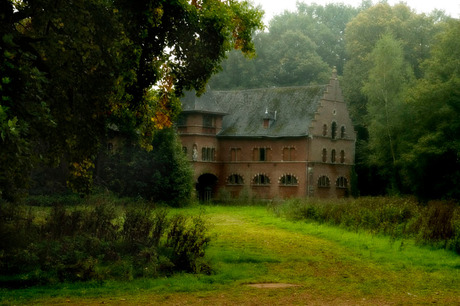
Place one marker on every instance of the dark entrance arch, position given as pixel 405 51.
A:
pixel 206 186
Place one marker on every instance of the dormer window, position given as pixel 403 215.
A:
pixel 266 123
pixel 269 118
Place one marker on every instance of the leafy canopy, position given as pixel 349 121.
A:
pixel 69 70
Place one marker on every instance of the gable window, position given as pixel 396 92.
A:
pixel 207 154
pixel 288 153
pixel 333 156
pixel 261 179
pixel 333 130
pixel 324 182
pixel 325 130
pixel 235 179
pixel 324 155
pixel 342 156
pixel 341 182
pixel 208 121
pixel 342 132
pixel 288 180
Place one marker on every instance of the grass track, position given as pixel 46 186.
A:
pixel 249 245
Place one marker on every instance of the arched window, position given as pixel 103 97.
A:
pixel 342 156
pixel 333 130
pixel 341 182
pixel 288 180
pixel 324 182
pixel 325 130
pixel 324 155
pixel 342 132
pixel 261 179
pixel 235 179
pixel 333 156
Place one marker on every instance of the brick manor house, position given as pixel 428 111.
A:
pixel 271 142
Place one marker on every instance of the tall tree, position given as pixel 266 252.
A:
pixel 432 158
pixel 389 78
pixel 69 69
pixel 415 34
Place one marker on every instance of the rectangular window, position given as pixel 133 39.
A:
pixel 204 156
pixel 262 154
pixel 235 154
pixel 208 154
pixel 208 121
pixel 288 153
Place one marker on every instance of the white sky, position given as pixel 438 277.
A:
pixel 276 7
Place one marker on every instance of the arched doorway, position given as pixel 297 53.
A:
pixel 205 186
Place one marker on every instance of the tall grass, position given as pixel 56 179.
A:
pixel 437 223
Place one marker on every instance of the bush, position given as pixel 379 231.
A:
pixel 438 223
pixel 188 244
pixel 98 241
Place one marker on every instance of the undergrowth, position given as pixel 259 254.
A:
pixel 437 223
pixel 97 241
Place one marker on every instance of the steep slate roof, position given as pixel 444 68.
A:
pixel 246 109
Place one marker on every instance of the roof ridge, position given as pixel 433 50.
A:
pixel 268 88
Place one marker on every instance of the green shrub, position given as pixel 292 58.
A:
pixel 97 242
pixel 188 243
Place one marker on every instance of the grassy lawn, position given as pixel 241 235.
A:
pixel 251 246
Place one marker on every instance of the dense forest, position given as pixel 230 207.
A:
pixel 71 74
pixel 400 72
